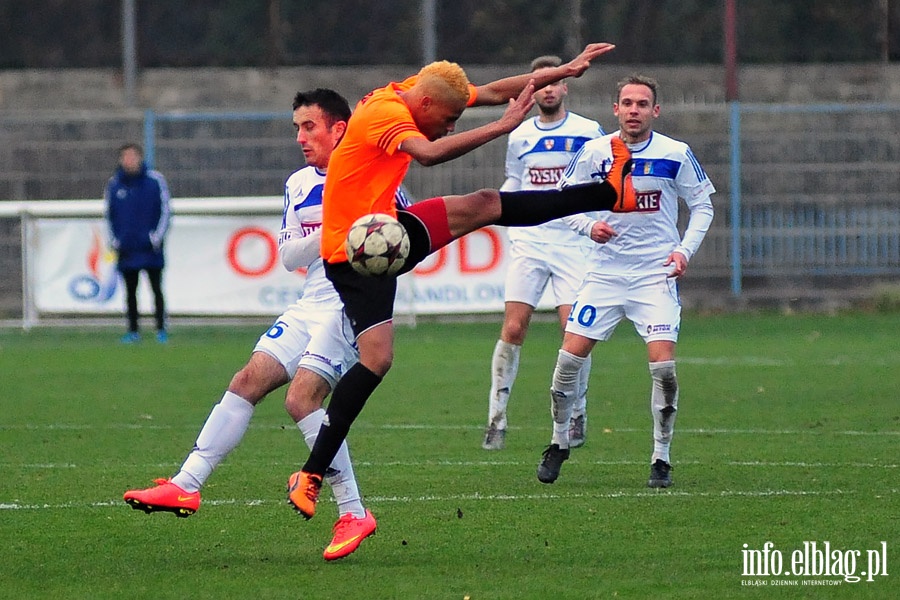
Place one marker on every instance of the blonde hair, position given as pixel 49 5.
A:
pixel 446 79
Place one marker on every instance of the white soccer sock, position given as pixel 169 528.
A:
pixel 562 394
pixel 504 367
pixel 223 430
pixel 340 475
pixel 663 406
pixel 584 375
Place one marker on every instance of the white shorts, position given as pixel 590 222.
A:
pixel 650 302
pixel 532 266
pixel 314 336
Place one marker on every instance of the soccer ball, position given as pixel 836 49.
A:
pixel 377 244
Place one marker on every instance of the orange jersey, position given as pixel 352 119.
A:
pixel 367 166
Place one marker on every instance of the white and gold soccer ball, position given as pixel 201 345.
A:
pixel 376 245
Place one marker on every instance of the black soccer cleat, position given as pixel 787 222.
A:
pixel 551 463
pixel 660 474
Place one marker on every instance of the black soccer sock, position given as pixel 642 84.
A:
pixel 533 207
pixel 347 400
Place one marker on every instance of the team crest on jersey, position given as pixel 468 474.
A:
pixel 648 167
pixel 605 166
pixel 549 143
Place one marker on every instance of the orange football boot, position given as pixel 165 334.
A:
pixel 349 532
pixel 619 177
pixel 303 492
pixel 165 496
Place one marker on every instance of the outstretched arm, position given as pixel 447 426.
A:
pixel 441 150
pixel 500 91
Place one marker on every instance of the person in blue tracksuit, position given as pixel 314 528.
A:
pixel 138 215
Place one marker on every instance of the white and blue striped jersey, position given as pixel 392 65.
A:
pixel 664 170
pixel 302 221
pixel 536 156
pixel 302 218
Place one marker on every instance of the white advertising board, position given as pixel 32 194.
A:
pixel 229 265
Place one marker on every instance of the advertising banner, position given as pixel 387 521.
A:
pixel 229 265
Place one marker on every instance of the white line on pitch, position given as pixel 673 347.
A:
pixel 417 426
pixel 855 465
pixel 477 497
pixel 619 494
pixel 502 463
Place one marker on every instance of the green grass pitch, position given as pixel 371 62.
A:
pixel 788 432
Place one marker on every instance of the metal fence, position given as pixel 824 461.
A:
pixel 808 195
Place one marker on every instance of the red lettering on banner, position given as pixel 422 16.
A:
pixel 466 265
pixel 485 263
pixel 439 261
pixel 250 233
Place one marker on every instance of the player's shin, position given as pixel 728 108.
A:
pixel 340 475
pixel 223 430
pixel 563 391
pixel 584 375
pixel 347 400
pixel 504 367
pixel 663 406
pixel 524 208
pixel 578 422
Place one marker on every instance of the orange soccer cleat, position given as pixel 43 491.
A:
pixel 303 492
pixel 165 496
pixel 619 177
pixel 349 532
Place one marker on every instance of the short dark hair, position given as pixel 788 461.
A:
pixel 131 146
pixel 637 79
pixel 543 62
pixel 332 104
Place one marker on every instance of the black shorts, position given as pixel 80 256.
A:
pixel 419 239
pixel 369 301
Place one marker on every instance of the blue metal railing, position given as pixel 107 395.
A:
pixel 769 229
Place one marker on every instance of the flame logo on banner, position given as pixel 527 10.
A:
pixel 100 282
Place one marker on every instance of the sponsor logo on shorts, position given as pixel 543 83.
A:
pixel 659 328
pixel 336 367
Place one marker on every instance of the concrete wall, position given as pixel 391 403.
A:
pixel 272 89
pixel 59 131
